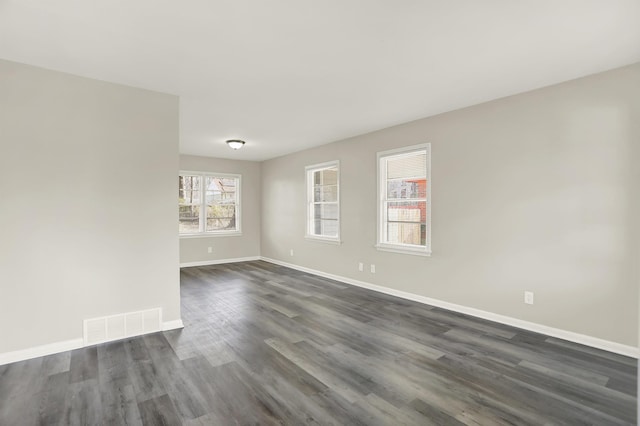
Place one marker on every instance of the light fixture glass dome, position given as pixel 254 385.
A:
pixel 235 143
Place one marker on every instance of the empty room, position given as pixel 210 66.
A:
pixel 292 212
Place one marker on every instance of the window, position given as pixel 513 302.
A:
pixel 404 209
pixel 208 204
pixel 323 202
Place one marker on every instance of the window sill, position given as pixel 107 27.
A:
pixel 334 241
pixel 404 250
pixel 211 235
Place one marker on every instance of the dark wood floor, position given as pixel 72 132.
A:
pixel 263 344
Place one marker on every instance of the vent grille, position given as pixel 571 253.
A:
pixel 96 330
pixel 135 323
pixel 114 327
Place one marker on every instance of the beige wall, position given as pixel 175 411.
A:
pixel 532 192
pixel 537 192
pixel 88 192
pixel 195 249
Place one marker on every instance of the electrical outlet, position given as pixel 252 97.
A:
pixel 291 252
pixel 528 297
pixel 209 249
pixel 373 268
pixel 360 266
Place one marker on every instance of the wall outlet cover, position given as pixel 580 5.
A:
pixel 528 297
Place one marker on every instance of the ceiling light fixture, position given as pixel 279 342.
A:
pixel 235 143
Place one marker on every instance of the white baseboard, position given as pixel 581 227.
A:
pixel 526 325
pixel 67 345
pixel 172 325
pixel 219 261
pixel 38 351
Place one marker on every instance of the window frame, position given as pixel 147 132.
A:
pixel 203 206
pixel 382 198
pixel 309 182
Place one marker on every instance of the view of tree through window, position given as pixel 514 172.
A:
pixel 221 203
pixel 209 208
pixel 189 201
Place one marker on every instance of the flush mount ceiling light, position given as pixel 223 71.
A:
pixel 235 143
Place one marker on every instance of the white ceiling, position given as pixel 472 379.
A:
pixel 285 75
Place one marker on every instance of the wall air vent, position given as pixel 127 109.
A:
pixel 120 326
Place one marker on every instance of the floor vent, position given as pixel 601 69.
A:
pixel 114 327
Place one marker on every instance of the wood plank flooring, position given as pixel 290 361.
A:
pixel 267 345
